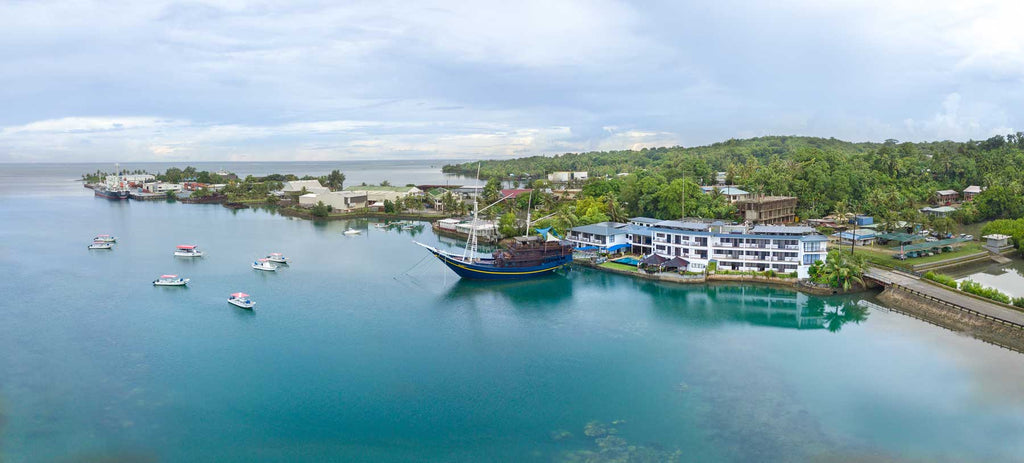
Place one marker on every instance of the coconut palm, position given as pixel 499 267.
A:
pixel 842 270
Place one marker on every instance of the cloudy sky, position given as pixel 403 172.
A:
pixel 302 80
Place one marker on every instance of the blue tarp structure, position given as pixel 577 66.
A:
pixel 618 246
pixel 544 232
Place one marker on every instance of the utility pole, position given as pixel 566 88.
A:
pixel 853 239
pixel 682 201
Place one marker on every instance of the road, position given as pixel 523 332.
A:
pixel 953 297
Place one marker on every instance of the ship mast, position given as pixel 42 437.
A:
pixel 470 252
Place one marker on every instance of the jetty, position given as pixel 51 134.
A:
pixel 947 298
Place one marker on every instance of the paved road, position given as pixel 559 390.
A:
pixel 953 297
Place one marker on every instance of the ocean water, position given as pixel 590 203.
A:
pixel 48 180
pixel 366 348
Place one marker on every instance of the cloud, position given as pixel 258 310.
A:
pixel 209 80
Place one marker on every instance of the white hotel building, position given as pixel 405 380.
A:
pixel 784 249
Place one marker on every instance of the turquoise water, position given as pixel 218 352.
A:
pixel 364 349
pixel 1008 278
pixel 627 261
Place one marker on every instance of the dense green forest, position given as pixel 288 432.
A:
pixel 889 180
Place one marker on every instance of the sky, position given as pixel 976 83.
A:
pixel 300 80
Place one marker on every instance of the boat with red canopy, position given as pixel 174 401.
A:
pixel 241 300
pixel 188 250
pixel 170 280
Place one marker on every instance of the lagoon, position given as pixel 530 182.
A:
pixel 368 349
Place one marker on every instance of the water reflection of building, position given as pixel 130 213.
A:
pixel 763 306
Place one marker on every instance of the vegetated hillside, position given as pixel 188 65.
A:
pixel 890 179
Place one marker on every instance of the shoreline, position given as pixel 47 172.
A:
pixel 790 283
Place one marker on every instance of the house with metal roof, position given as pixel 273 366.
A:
pixel 972 191
pixel 603 236
pixel 946 196
pixel 733 194
pixel 941 211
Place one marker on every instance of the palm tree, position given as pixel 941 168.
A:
pixel 616 213
pixel 842 270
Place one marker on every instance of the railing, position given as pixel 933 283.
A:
pixel 955 306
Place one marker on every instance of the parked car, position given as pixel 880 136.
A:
pixel 931 238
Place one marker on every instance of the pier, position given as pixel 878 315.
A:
pixel 948 298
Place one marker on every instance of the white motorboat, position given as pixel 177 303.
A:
pixel 188 250
pixel 277 258
pixel 170 280
pixel 265 265
pixel 241 300
pixel 352 231
pixel 105 239
pixel 380 225
pixel 101 245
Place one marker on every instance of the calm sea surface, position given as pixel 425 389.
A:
pixel 366 349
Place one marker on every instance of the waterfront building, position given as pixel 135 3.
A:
pixel 784 249
pixel 130 179
pixel 946 196
pixel 162 187
pixel 342 201
pixel 603 236
pixel 566 177
pixel 997 243
pixel 311 186
pixel 378 194
pixel 768 209
pixel 972 191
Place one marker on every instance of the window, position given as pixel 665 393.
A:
pixel 813 246
pixel 811 258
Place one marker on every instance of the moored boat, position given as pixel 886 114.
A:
pixel 170 280
pixel 352 231
pixel 104 239
pixel 116 194
pixel 241 300
pixel 114 189
pixel 188 250
pixel 101 245
pixel 265 265
pixel 525 257
pixel 277 258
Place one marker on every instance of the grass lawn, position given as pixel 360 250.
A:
pixel 618 266
pixel 882 255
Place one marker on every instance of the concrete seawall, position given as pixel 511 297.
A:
pixel 985 329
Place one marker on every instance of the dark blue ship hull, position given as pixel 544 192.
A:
pixel 111 194
pixel 482 270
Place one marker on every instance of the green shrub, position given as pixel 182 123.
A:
pixel 941 279
pixel 1018 302
pixel 970 286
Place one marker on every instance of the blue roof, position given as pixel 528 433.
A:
pixel 646 220
pixel 790 230
pixel 602 228
pixel 618 246
pixel 696 226
pixel 733 191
